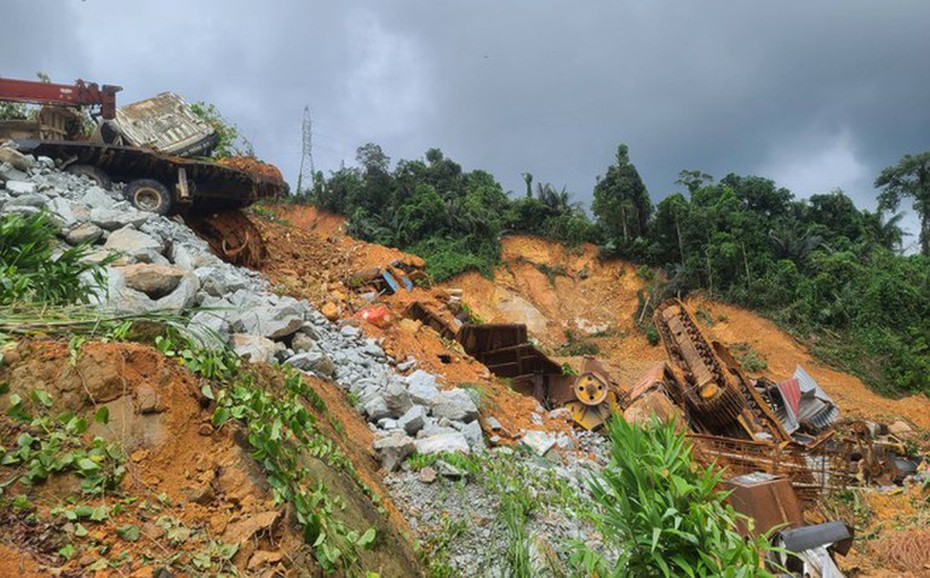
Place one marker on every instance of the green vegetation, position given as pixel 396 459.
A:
pixel 662 515
pixel 33 269
pixel 49 445
pixel 284 436
pixel 230 142
pixel 820 267
pixel 40 288
pixel 431 207
pixel 523 493
pixel 577 347
pixel 748 357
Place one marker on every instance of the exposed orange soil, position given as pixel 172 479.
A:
pixel 596 300
pixel 179 468
pixel 309 257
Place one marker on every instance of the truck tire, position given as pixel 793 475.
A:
pixel 148 195
pixel 95 174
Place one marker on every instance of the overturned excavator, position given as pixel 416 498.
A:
pixel 156 147
pixel 747 425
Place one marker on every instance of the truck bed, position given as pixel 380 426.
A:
pixel 216 187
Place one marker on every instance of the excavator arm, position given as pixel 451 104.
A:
pixel 78 94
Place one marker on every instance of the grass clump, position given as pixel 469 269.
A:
pixel 33 269
pixel 661 515
pixel 748 357
pixel 577 347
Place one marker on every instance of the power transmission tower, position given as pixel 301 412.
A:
pixel 306 159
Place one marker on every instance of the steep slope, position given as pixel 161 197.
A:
pixel 198 500
pixel 553 289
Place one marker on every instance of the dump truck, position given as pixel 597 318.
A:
pixel 154 146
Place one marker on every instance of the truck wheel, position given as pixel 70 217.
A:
pixel 149 195
pixel 95 174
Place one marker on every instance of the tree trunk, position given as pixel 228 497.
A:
pixel 925 233
pixel 623 218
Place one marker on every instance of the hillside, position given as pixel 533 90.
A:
pixel 554 289
pixel 199 418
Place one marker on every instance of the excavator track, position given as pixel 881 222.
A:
pixel 232 236
pixel 707 391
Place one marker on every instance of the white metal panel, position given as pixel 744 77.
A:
pixel 165 123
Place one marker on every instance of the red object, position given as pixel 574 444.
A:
pixel 377 315
pixel 791 390
pixel 78 94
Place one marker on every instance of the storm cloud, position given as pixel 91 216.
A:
pixel 815 95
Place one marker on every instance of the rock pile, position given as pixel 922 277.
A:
pixel 160 264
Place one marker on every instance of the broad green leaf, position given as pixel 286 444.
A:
pixel 102 415
pixel 130 532
pixel 41 397
pixel 368 538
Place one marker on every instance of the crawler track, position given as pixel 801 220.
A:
pixel 232 236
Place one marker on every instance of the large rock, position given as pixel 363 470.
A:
pixel 315 361
pixel 86 233
pixel 95 197
pixel 376 409
pixel 156 281
pixel 422 388
pixel 20 187
pixel 302 342
pixel 10 173
pixel 121 297
pixel 473 434
pixel 255 348
pixel 216 280
pixel 413 420
pixel 31 200
pixel 17 160
pixel 136 245
pixel 183 296
pixel 209 328
pixel 455 405
pixel 393 449
pixel 538 441
pixel 113 219
pixel 274 321
pixel 397 398
pixel 62 209
pixel 452 442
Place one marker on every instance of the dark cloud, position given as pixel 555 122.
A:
pixel 814 95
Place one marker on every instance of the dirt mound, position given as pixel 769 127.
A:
pixel 254 166
pixel 193 499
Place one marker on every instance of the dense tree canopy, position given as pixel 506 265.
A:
pixel 452 218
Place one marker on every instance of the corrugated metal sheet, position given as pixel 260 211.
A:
pixel 816 408
pixel 791 393
pixel 166 123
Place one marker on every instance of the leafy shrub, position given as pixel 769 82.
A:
pixel 749 358
pixel 652 335
pixel 33 269
pixel 576 347
pixel 660 514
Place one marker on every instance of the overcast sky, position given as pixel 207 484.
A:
pixel 813 94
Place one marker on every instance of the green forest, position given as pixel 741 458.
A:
pixel 828 272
